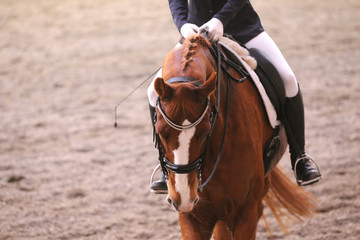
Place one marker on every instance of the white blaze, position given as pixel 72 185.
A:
pixel 181 156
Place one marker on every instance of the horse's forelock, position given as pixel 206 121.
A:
pixel 186 102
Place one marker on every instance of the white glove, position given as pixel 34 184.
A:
pixel 189 29
pixel 215 29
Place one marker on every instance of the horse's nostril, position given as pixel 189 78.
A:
pixel 172 203
pixel 175 205
pixel 196 200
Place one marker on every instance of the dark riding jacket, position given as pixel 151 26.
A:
pixel 238 16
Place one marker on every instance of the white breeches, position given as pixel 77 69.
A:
pixel 264 43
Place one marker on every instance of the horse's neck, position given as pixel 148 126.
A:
pixel 241 113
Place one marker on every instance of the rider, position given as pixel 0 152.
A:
pixel 238 19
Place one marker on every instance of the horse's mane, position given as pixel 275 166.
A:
pixel 191 49
pixel 190 45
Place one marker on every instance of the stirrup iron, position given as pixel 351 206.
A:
pixel 308 157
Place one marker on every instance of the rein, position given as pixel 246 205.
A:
pixel 200 162
pixel 202 186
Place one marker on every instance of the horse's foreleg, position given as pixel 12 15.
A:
pixel 245 227
pixel 192 229
pixel 221 232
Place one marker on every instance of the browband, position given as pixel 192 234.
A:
pixel 184 79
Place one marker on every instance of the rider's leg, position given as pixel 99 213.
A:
pixel 160 185
pixel 265 44
pixel 304 172
pixel 294 109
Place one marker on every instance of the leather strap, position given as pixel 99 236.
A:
pixel 191 80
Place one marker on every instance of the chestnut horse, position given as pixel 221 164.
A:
pixel 201 119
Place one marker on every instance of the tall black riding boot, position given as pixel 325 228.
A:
pixel 302 164
pixel 160 186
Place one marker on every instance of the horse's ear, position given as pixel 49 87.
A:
pixel 209 86
pixel 163 89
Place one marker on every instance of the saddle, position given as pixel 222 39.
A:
pixel 270 79
pixel 266 78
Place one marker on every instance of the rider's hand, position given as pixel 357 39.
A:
pixel 189 29
pixel 215 29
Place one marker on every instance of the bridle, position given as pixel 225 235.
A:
pixel 186 126
pixel 198 164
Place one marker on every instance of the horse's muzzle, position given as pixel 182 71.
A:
pixel 186 206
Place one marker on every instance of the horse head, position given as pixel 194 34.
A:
pixel 183 123
pixel 183 142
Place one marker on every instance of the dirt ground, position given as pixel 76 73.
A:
pixel 66 173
